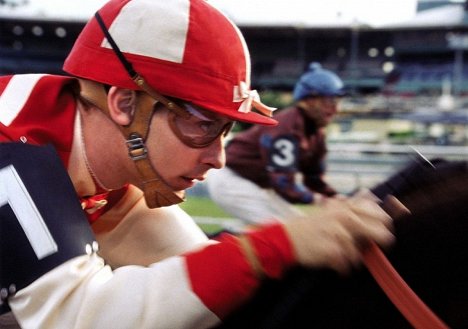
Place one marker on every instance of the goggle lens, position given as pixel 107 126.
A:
pixel 201 128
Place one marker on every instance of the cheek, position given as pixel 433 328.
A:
pixel 169 156
pixel 315 113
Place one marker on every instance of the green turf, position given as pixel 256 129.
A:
pixel 197 206
pixel 202 206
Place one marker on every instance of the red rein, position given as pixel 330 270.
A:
pixel 402 296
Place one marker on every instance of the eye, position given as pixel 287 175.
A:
pixel 206 126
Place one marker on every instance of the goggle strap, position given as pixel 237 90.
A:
pixel 170 105
pixel 127 65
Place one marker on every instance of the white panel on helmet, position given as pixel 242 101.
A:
pixel 152 28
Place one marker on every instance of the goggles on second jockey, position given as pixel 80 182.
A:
pixel 200 127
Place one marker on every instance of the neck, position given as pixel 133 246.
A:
pixel 104 150
pixel 97 182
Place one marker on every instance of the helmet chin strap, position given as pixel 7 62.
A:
pixel 157 192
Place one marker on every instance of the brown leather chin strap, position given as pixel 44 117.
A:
pixel 157 192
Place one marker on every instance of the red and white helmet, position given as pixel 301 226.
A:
pixel 185 49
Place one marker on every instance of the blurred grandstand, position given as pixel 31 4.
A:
pixel 409 58
pixel 408 83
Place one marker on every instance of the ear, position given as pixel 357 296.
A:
pixel 122 104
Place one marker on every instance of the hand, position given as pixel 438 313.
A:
pixel 334 234
pixel 390 204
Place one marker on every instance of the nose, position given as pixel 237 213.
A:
pixel 214 154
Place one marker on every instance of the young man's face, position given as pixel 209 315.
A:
pixel 178 163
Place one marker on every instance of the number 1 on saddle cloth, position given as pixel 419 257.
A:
pixel 42 224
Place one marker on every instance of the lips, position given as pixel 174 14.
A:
pixel 187 182
pixel 200 178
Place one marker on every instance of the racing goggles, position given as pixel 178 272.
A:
pixel 200 127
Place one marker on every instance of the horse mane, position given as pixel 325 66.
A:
pixel 430 253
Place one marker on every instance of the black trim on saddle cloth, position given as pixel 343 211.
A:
pixel 42 224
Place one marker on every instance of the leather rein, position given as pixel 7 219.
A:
pixel 418 314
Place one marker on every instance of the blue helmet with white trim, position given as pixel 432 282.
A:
pixel 317 81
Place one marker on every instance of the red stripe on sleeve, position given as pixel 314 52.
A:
pixel 221 276
pixel 274 250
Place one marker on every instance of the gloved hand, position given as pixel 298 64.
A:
pixel 335 233
pixel 284 184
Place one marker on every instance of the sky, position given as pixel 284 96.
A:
pixel 314 12
pixel 281 12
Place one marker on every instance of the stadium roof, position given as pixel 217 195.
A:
pixel 449 15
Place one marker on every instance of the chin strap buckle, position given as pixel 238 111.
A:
pixel 136 147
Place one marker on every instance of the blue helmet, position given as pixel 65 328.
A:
pixel 317 81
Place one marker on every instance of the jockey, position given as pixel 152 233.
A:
pixel 276 168
pixel 94 164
